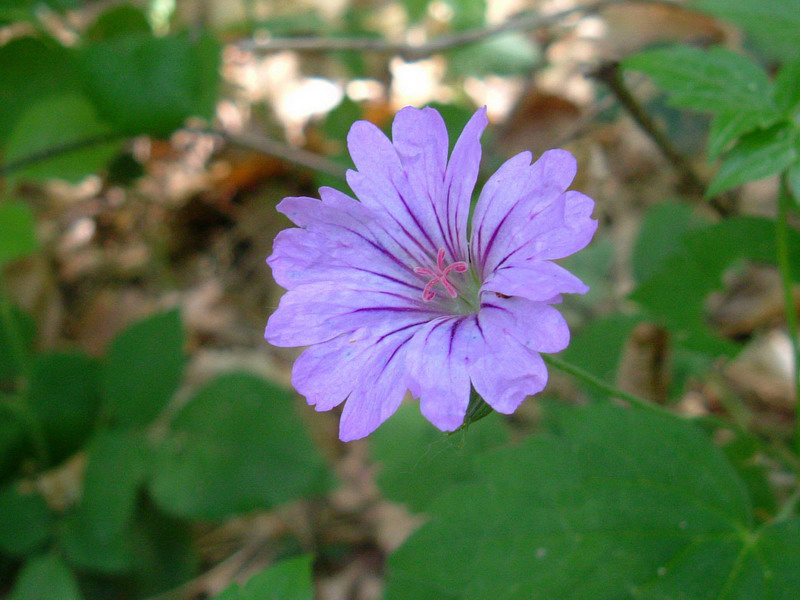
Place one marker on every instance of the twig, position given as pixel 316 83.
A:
pixel 784 266
pixel 604 387
pixel 611 76
pixel 412 52
pixel 304 158
pixel 55 151
pixel 251 141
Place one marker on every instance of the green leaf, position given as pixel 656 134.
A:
pixel 95 536
pixel 125 19
pixel 290 579
pixel 26 329
pixel 467 14
pixel 17 231
pixel 618 504
pixel 65 398
pixel 757 155
pixel 13 441
pixel 793 181
pixel 787 88
pixel 598 347
pixel 149 85
pixel 660 236
pixel 32 70
pixel 728 126
pixel 237 445
pixel 143 369
pixel 415 9
pixel 676 294
pixel 163 555
pixel 25 521
pixel 504 55
pixel 46 578
pixel 774 24
pixel 706 80
pixel 416 461
pixel 66 125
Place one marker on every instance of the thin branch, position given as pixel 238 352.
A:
pixel 251 141
pixel 611 76
pixel 298 156
pixel 56 151
pixel 604 387
pixel 785 201
pixel 412 52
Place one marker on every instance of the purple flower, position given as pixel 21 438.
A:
pixel 390 294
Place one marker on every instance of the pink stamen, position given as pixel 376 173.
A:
pixel 440 276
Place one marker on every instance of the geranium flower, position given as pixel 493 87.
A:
pixel 390 294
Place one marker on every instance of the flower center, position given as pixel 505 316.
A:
pixel 439 275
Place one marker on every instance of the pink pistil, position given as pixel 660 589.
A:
pixel 440 276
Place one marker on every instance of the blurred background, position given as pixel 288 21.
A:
pixel 150 443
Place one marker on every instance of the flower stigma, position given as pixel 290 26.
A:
pixel 439 275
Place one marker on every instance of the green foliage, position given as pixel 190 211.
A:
pixel 236 446
pixel 787 88
pixel 118 21
pixel 97 533
pixel 24 327
pixel 706 80
pixel 32 70
pixel 618 503
pixel 660 236
pixel 60 121
pixel 142 371
pixel 18 233
pixel 65 399
pixel 142 84
pixel 46 578
pixel 416 461
pixel 598 347
pixel 289 579
pixel 757 155
pixel 774 24
pixel 676 293
pixel 13 440
pixel 163 555
pixel 25 521
pixel 728 126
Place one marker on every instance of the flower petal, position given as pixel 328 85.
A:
pixel 503 371
pixel 317 312
pixel 462 173
pixel 382 184
pixel 536 325
pixel 512 199
pixel 378 391
pixel 437 363
pixel 538 280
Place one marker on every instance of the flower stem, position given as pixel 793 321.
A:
pixel 785 268
pixel 601 385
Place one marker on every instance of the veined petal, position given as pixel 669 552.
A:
pixel 382 184
pixel 462 173
pixel 512 199
pixel 503 371
pixel 420 139
pixel 537 280
pixel 437 362
pixel 536 325
pixel 378 390
pixel 318 312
